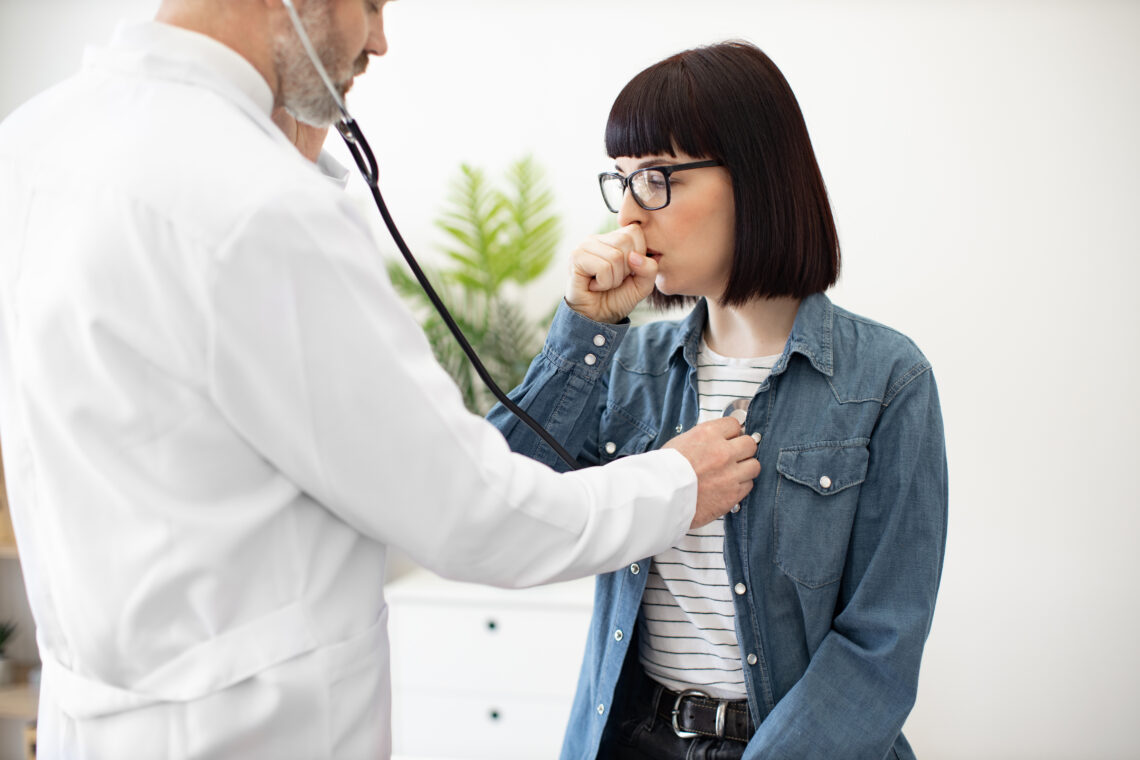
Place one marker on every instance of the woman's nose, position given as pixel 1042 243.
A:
pixel 630 212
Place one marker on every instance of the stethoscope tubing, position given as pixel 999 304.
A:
pixel 366 162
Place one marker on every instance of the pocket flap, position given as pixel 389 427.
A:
pixel 826 468
pixel 624 445
pixel 622 436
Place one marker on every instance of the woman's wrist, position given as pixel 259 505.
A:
pixel 594 315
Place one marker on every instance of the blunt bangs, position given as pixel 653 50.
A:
pixel 656 113
pixel 729 102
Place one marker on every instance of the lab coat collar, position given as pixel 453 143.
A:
pixel 176 53
pixel 180 55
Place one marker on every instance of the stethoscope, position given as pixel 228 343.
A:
pixel 366 163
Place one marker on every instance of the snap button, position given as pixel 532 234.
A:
pixel 751 659
pixel 739 588
pixel 825 482
pixel 678 428
pixel 601 709
pixel 635 568
pixel 590 359
pixel 618 635
pixel 735 508
pixel 611 447
pixel 599 340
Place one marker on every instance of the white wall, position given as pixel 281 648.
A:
pixel 983 162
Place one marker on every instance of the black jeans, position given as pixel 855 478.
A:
pixel 635 730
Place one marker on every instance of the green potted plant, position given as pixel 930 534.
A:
pixel 7 630
pixel 497 242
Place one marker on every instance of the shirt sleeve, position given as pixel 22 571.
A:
pixel 564 389
pixel 319 365
pixel 861 683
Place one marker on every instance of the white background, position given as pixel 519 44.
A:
pixel 983 161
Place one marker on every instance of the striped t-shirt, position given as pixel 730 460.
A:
pixel 686 626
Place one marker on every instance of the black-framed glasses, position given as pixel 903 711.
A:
pixel 650 186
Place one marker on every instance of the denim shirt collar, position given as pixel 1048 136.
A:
pixel 811 335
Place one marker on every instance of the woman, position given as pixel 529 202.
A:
pixel 794 626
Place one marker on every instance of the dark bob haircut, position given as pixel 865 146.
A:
pixel 729 102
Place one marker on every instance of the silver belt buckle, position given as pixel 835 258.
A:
pixel 677 711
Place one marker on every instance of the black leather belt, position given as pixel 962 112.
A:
pixel 694 713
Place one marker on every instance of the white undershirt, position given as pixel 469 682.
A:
pixel 687 621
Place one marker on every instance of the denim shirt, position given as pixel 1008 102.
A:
pixel 839 546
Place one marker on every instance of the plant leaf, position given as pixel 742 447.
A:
pixel 494 237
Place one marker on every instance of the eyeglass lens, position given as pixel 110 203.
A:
pixel 650 187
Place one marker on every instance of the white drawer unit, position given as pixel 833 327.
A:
pixel 480 672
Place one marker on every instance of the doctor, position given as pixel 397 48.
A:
pixel 216 414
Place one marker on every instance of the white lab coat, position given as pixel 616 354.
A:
pixel 216 415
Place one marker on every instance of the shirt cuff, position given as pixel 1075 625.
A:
pixel 580 345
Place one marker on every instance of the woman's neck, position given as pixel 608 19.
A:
pixel 759 328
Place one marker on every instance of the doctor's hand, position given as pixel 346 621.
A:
pixel 610 274
pixel 308 139
pixel 725 463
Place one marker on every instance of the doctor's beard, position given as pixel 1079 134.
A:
pixel 301 90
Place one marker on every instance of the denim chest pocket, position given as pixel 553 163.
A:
pixel 817 493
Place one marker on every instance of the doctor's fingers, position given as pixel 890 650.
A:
pixel 741 448
pixel 744 449
pixel 743 452
pixel 725 427
pixel 719 488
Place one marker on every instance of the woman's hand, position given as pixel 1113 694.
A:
pixel 308 139
pixel 610 274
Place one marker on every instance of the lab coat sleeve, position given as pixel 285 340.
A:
pixel 861 682
pixel 321 368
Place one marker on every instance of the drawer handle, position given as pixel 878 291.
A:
pixel 495 714
pixel 492 625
